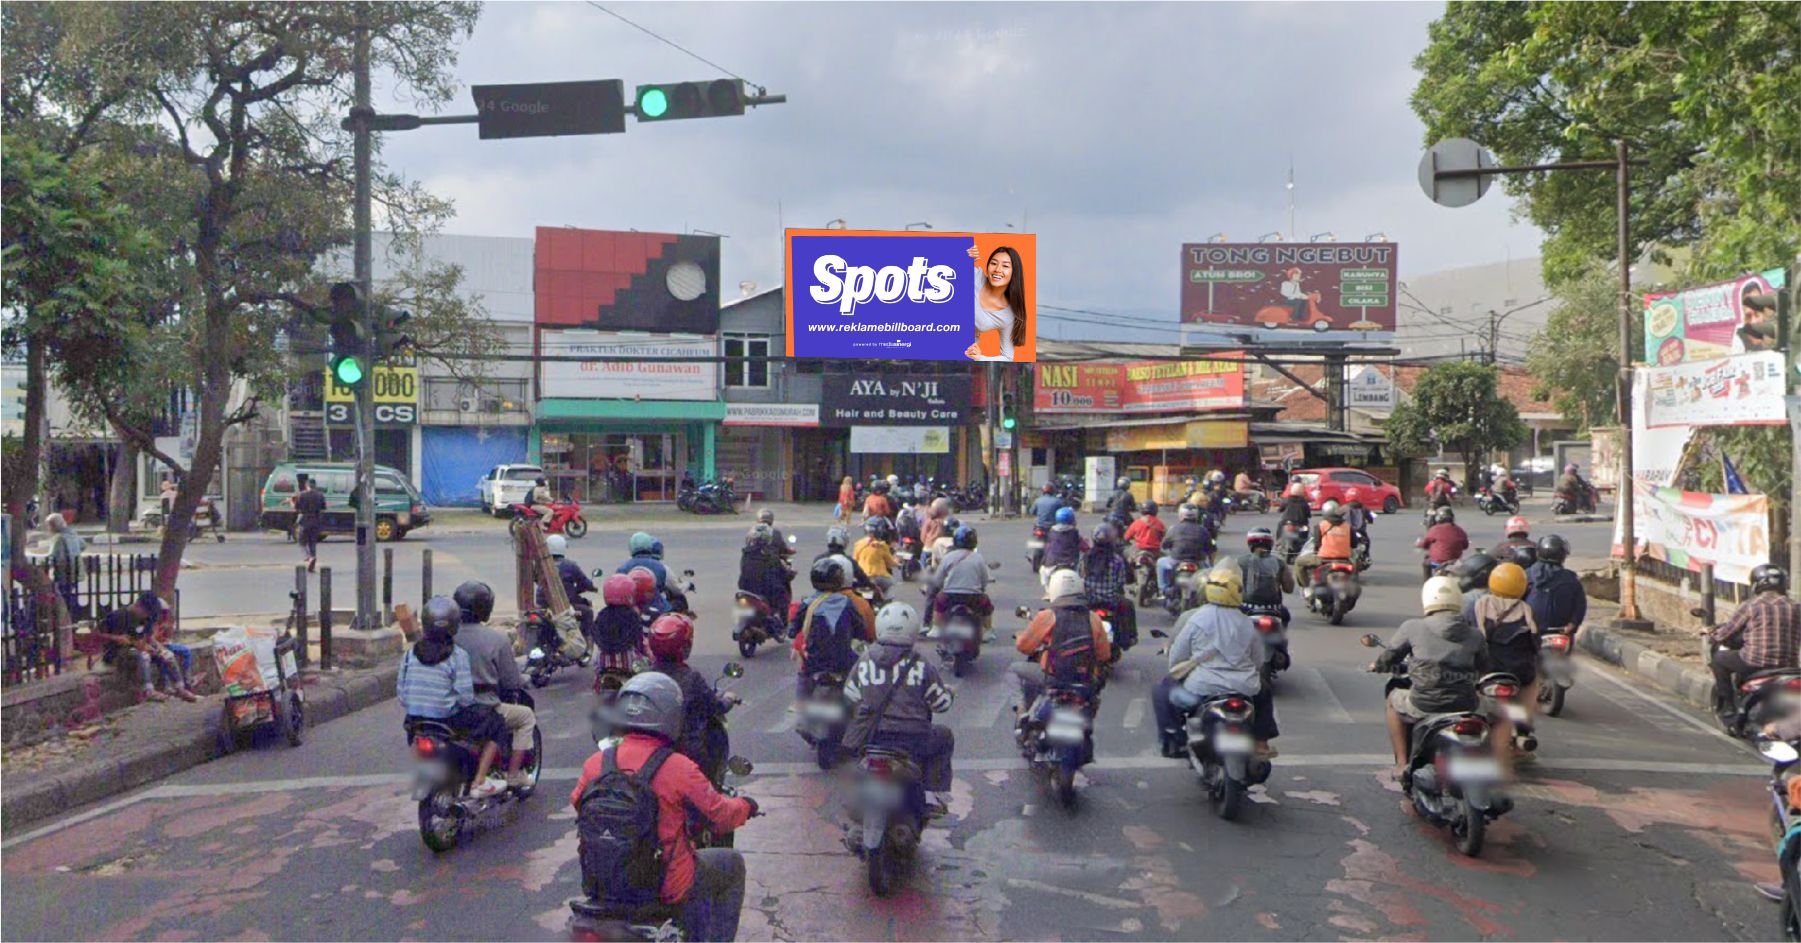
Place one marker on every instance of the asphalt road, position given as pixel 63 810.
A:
pixel 1640 822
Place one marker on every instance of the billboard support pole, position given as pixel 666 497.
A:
pixel 993 456
pixel 1335 409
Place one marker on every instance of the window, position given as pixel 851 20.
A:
pixel 283 484
pixel 746 373
pixel 524 473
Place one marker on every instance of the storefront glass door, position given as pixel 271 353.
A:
pixel 613 468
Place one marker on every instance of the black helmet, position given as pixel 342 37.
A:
pixel 441 616
pixel 1472 571
pixel 1553 549
pixel 1150 507
pixel 1260 538
pixel 1444 515
pixel 1525 555
pixel 879 528
pixel 476 600
pixel 880 486
pixel 1769 578
pixel 827 574
pixel 964 538
pixel 1103 533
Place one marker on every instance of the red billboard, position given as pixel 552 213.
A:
pixel 626 281
pixel 1139 386
pixel 1289 292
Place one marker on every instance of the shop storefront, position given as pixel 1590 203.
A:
pixel 757 447
pixel 1159 456
pixel 613 452
pixel 910 425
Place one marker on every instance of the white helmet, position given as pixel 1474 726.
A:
pixel 893 481
pixel 897 624
pixel 1063 582
pixel 1441 594
pixel 557 544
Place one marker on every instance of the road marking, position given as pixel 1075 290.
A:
pixel 786 723
pixel 1594 669
pixel 1134 713
pixel 1313 681
pixel 1101 900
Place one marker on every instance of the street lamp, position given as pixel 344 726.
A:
pixel 1272 236
pixel 1323 237
pixel 920 225
pixel 1217 237
pixel 1376 237
pixel 836 224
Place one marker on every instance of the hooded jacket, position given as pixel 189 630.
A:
pixel 1063 546
pixel 919 691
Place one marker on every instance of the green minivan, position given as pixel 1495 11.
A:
pixel 398 506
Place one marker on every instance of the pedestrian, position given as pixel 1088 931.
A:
pixel 141 628
pixel 847 500
pixel 65 560
pixel 309 520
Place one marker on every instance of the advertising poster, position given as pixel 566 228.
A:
pixel 912 296
pixel 1703 323
pixel 1326 290
pixel 857 400
pixel 900 440
pixel 1687 529
pixel 1139 386
pixel 654 377
pixel 1742 390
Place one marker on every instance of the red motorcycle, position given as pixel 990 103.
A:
pixel 565 518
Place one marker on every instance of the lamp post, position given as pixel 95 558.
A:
pixel 1272 236
pixel 835 224
pixel 1323 237
pixel 911 226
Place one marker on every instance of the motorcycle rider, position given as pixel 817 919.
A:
pixel 827 623
pixel 1296 511
pixel 910 689
pixel 707 884
pixel 1044 509
pixel 1332 540
pixel 1264 580
pixel 875 554
pixel 1065 641
pixel 575 582
pixel 1506 490
pixel 494 672
pixel 1185 542
pixel 1063 544
pixel 619 625
pixel 1242 486
pixel 1121 505
pixel 647 552
pixel 1359 518
pixel 671 642
pixel 1444 655
pixel 1764 633
pixel 767 516
pixel 1511 637
pixel 936 515
pixel 1559 604
pixel 437 682
pixel 1219 649
pixel 906 523
pixel 1472 574
pixel 837 540
pixel 761 570
pixel 1440 490
pixel 878 504
pixel 1105 574
pixel 1519 537
pixel 1444 541
pixel 961 578
pixel 1146 537
pixel 541 500
pixel 1575 489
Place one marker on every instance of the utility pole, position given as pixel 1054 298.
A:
pixel 360 113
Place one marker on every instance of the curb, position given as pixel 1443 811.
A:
pixel 1691 684
pixel 327 698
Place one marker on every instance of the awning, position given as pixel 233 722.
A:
pixel 552 410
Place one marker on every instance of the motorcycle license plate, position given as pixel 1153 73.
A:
pixel 1475 768
pixel 744 616
pixel 1231 742
pixel 823 711
pixel 906 555
pixel 427 777
pixel 1065 732
pixel 1034 545
pixel 1514 712
pixel 960 630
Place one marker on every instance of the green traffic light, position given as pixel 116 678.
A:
pixel 1008 423
pixel 653 102
pixel 348 371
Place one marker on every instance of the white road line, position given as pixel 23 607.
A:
pixel 1134 713
pixel 1592 669
pixel 1101 900
pixel 1313 681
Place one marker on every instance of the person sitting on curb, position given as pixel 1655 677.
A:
pixel 139 627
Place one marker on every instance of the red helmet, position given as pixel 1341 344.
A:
pixel 672 638
pixel 1517 525
pixel 645 582
pixel 620 590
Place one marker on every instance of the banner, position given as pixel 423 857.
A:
pixel 1687 529
pixel 1139 386
pixel 900 440
pixel 912 296
pixel 795 415
pixel 1703 323
pixel 1741 390
pixel 1318 291
pixel 1195 434
pixel 855 400
pixel 1370 389
pixel 650 378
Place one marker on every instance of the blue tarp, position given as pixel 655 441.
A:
pixel 456 457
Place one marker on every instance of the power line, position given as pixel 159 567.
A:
pixel 675 45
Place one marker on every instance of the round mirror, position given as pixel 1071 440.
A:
pixel 1370 641
pixel 1159 633
pixel 600 573
pixel 739 766
pixel 734 670
pixel 688 573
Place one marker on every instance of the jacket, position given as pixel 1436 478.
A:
pixel 575 582
pixel 1445 542
pixel 874 556
pixel 1444 656
pixel 1104 574
pixel 1295 511
pixel 962 573
pixel 1187 541
pixel 1332 541
pixel 1045 509
pixel 700 704
pixel 1064 546
pixel 435 691
pixel 930 531
pixel 679 786
pixel 618 629
pixel 856 576
pixel 762 572
pixel 655 566
pixel 1035 641
pixel 802 623
pixel 919 692
pixel 1227 648
pixel 1556 597
pixel 877 505
pixel 1146 533
pixel 491 663
pixel 1121 505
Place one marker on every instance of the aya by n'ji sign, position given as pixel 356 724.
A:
pixel 1140 386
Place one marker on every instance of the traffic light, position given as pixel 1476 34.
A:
pixel 669 101
pixel 349 352
pixel 1007 419
pixel 390 333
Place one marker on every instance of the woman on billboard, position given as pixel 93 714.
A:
pixel 1000 304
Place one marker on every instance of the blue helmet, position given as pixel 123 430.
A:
pixel 656 549
pixel 642 544
pixel 1066 515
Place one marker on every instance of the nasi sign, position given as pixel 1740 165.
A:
pixel 549 109
pixel 389 383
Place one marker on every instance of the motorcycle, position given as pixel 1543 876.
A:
pixel 824 714
pixel 1564 502
pixel 1121 624
pixel 1761 697
pixel 1056 736
pixel 1072 492
pixel 1035 549
pixel 1222 752
pixel 1452 775
pixel 889 813
pixel 1493 503
pixel 1783 755
pixel 1556 670
pixel 1245 502
pixel 614 670
pixel 753 622
pixel 1290 541
pixel 1187 584
pixel 565 518
pixel 1336 594
pixel 1501 699
pixel 444 770
pixel 1273 629
pixel 1144 572
pixel 960 640
pixel 548 654
pixel 906 553
pixel 716 497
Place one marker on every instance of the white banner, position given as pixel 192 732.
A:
pixel 628 379
pixel 800 415
pixel 1687 529
pixel 1741 390
pixel 1370 389
pixel 901 440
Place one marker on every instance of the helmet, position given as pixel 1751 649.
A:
pixel 619 590
pixel 1295 490
pixel 1103 533
pixel 1508 580
pixel 837 538
pixel 879 487
pixel 1553 549
pixel 1440 594
pixel 1526 555
pixel 1769 578
pixel 893 480
pixel 879 528
pixel 656 549
pixel 641 544
pixel 476 600
pixel 1517 526
pixel 827 574
pixel 1047 488
pixel 1225 585
pixel 897 624
pixel 766 516
pixel 650 702
pixel 441 615
pixel 556 544
pixel 1333 511
pixel 1216 475
pixel 1066 515
pixel 672 638
pixel 1472 571
pixel 1190 513
pixel 1260 538
pixel 941 505
pixel 964 538
pixel 1569 469
pixel 1352 496
pixel 762 535
pixel 1444 515
pixel 1444 473
pixel 1063 582
pixel 1150 507
pixel 645 583
pixel 1123 483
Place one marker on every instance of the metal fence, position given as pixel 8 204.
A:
pixel 1659 571
pixel 34 649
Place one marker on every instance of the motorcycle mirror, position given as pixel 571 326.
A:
pixel 1022 612
pixel 1159 633
pixel 733 670
pixel 1697 611
pixel 689 574
pixel 1370 641
pixel 994 564
pixel 1778 751
pixel 600 573
pixel 739 766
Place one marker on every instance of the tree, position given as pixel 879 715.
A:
pixel 1576 358
pixel 1456 407
pixel 1703 92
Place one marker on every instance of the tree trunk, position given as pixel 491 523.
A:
pixel 21 484
pixel 121 498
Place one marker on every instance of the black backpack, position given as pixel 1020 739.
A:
pixel 1262 580
pixel 1072 655
pixel 616 829
pixel 829 622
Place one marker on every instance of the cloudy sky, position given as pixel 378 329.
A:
pixel 1114 131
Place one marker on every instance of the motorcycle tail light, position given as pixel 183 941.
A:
pixel 1187 568
pixel 878 765
pixel 1266 624
pixel 426 746
pixel 1557 642
pixel 1235 704
pixel 1753 684
pixel 1341 568
pixel 1038 532
pixel 1505 691
pixel 1793 684
pixel 1469 727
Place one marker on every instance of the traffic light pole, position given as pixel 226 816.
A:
pixel 360 114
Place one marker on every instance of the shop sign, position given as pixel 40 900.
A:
pixel 798 415
pixel 1710 321
pixel 900 440
pixel 863 400
pixel 628 366
pixel 1199 434
pixel 1370 389
pixel 1319 291
pixel 1140 386
pixel 1742 390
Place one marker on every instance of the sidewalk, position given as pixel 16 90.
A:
pixel 1667 656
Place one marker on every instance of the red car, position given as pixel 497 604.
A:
pixel 1330 484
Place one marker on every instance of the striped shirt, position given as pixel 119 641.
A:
pixel 1771 626
pixel 436 691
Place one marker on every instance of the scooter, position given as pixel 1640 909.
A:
pixel 1783 755
pixel 1280 316
pixel 906 553
pixel 1290 541
pixel 565 518
pixel 1272 628
pixel 1122 625
pixel 1493 503
pixel 1242 502
pixel 1565 503
pixel 1336 594
pixel 1452 775
pixel 443 772
pixel 1501 699
pixel 1056 736
pixel 960 638
pixel 823 717
pixel 753 622
pixel 1760 698
pixel 1144 571
pixel 548 654
pixel 888 813
pixel 1035 549
pixel 1556 669
pixel 1187 584
pixel 1222 752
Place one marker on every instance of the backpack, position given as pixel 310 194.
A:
pixel 616 828
pixel 1072 657
pixel 1262 580
pixel 1512 647
pixel 829 622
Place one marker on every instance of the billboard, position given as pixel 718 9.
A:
pixel 652 377
pixel 861 400
pixel 1139 386
pixel 900 440
pixel 1704 323
pixel 625 281
pixel 1743 390
pixel 912 296
pixel 1326 290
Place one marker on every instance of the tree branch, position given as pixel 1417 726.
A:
pixel 143 441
